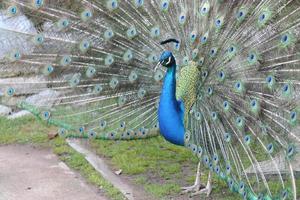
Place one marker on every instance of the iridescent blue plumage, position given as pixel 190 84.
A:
pixel 170 111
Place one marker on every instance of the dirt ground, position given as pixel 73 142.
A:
pixel 28 173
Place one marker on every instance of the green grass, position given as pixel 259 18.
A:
pixel 23 131
pixel 160 167
pixel 162 191
pixel 28 130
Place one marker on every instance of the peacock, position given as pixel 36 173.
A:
pixel 219 77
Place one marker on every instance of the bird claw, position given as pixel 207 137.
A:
pixel 206 190
pixel 193 188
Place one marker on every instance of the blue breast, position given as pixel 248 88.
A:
pixel 170 111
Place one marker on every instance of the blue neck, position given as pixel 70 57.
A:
pixel 169 112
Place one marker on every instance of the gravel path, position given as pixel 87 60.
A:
pixel 28 173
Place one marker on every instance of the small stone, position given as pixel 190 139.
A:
pixel 119 172
pixel 46 98
pixel 4 110
pixel 52 135
pixel 19 114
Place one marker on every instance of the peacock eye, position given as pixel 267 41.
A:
pixel 81 129
pixel 46 115
pixel 10 91
pixel 13 10
pixel 253 103
pixel 284 38
pixel 62 132
pixel 284 194
pixel 285 88
pixel 64 23
pixel 218 23
pixel 270 148
pixel 182 18
pixel 39 2
pixel 164 5
pixel 293 115
pixel 269 79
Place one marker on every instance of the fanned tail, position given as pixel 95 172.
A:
pixel 244 124
pixel 99 60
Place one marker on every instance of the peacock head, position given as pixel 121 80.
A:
pixel 167 59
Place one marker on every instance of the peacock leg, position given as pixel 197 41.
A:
pixel 207 189
pixel 197 185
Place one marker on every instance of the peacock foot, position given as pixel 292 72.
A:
pixel 206 190
pixel 194 188
pixel 197 185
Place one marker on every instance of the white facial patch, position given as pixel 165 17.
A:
pixel 168 61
